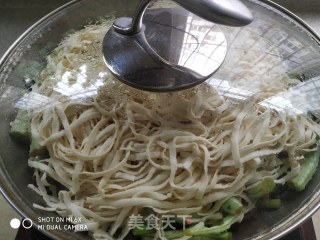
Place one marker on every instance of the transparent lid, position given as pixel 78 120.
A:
pixel 273 63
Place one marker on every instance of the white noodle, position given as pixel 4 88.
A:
pixel 187 152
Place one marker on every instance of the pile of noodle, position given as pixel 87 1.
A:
pixel 124 151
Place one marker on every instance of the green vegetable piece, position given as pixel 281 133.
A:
pixel 20 127
pixel 222 236
pixel 269 204
pixel 37 150
pixel 232 206
pixel 200 229
pixel 39 158
pixel 294 75
pixel 143 231
pixel 307 170
pixel 174 234
pixel 261 188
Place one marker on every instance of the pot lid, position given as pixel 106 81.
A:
pixel 272 63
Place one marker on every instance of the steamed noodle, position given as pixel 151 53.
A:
pixel 173 153
pixel 124 152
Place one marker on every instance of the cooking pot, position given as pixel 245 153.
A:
pixel 276 45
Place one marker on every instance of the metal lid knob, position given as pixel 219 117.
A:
pixel 133 55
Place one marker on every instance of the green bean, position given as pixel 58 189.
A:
pixel 200 229
pixel 307 170
pixel 173 234
pixel 269 203
pixel 37 150
pixel 20 127
pixel 261 188
pixel 143 231
pixel 232 206
pixel 222 236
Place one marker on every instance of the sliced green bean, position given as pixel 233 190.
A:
pixel 174 234
pixel 221 236
pixel 143 231
pixel 307 169
pixel 232 206
pixel 146 232
pixel 269 204
pixel 200 229
pixel 38 150
pixel 261 188
pixel 20 127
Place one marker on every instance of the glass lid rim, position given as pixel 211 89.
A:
pixel 291 223
pixel 303 24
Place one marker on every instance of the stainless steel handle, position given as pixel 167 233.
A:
pixel 226 12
